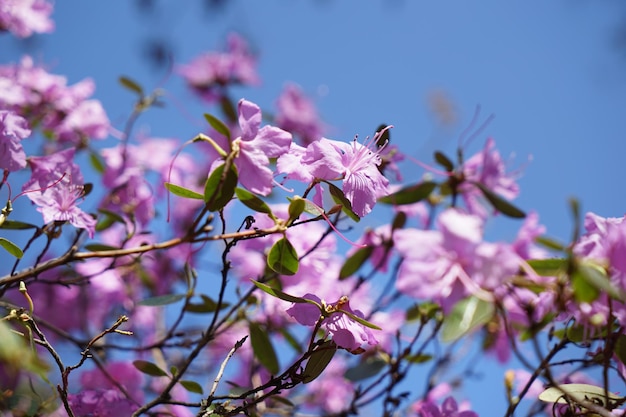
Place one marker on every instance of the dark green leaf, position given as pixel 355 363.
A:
pixel 206 306
pixel 584 291
pixel 149 368
pixel 218 125
pixel 161 300
pixel 17 225
pixel 620 348
pixel 282 295
pixel 263 349
pixel 500 203
pixel 549 267
pixel 131 85
pixel 410 195
pixel 360 320
pixel 99 247
pixel 368 368
pixel 385 138
pixel 354 262
pixel 182 191
pixel 11 247
pixel 319 360
pixel 87 189
pixel 466 315
pixel 253 202
pixel 340 198
pixel 228 108
pixel 283 258
pixel 96 162
pixel 444 161
pixel 191 386
pixel 419 358
pixel 216 193
pixel 398 221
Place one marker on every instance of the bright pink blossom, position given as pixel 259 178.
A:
pixel 13 128
pixel 255 147
pixel 25 17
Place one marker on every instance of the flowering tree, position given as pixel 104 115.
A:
pixel 213 277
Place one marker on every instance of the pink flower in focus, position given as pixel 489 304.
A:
pixel 25 17
pixel 297 114
pixel 13 129
pixel 255 147
pixel 345 332
pixel 60 189
pixel 355 164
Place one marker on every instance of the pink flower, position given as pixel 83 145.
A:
pixel 13 129
pixel 60 188
pixel 355 164
pixel 452 262
pixel 448 408
pixel 25 17
pixel 487 168
pixel 345 331
pixel 297 114
pixel 255 147
pixel 207 73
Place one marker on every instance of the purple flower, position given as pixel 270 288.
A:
pixel 207 73
pixel 355 164
pixel 59 186
pixel 297 114
pixel 13 129
pixel 64 112
pixel 487 168
pixel 255 147
pixel 345 331
pixel 452 262
pixel 449 408
pixel 25 17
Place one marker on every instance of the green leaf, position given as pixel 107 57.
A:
pixel 354 262
pixel 228 108
pixel 191 386
pixel 444 161
pixel 17 225
pixel 11 247
pixel 253 202
pixel 131 85
pixel 283 258
pixel 549 267
pixel 99 247
pixel 419 358
pixel 596 276
pixel 161 300
pixel 296 207
pixel 398 221
pixel 149 368
pixel 340 198
pixel 500 203
pixel 366 369
pixel 549 243
pixel 208 305
pixel 580 393
pixel 319 360
pixel 282 295
pixel 215 195
pixel 466 315
pixel 96 162
pixel 360 320
pixel 263 349
pixel 218 125
pixel 620 348
pixel 584 291
pixel 16 355
pixel 182 191
pixel 410 195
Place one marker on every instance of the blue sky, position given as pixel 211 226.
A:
pixel 549 71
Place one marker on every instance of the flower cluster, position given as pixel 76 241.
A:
pixel 25 17
pixel 63 112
